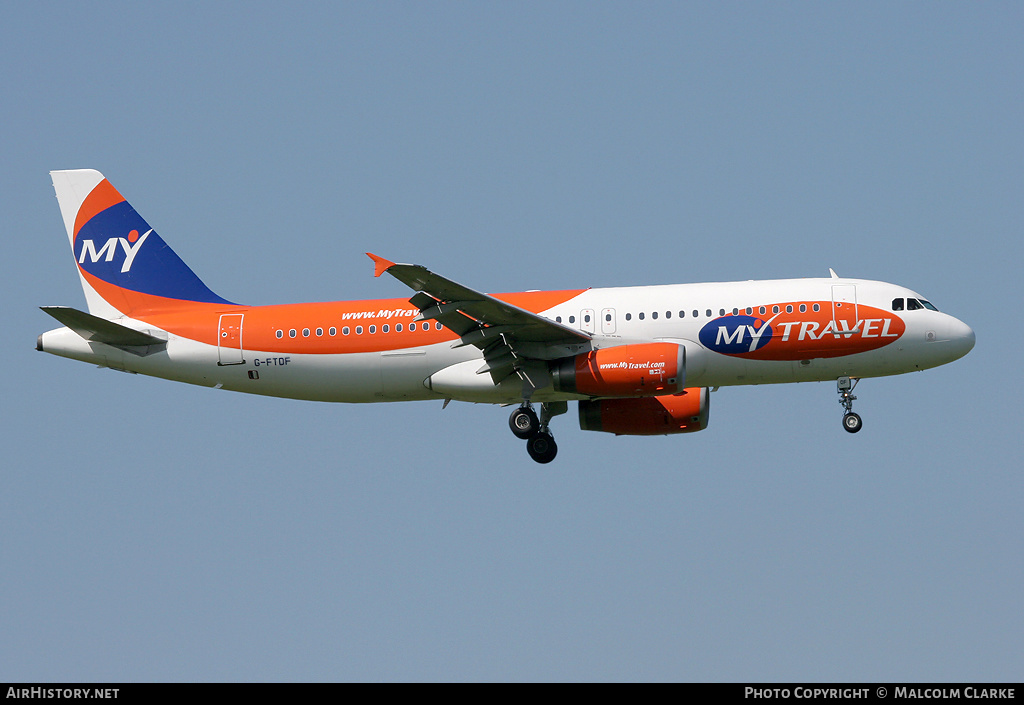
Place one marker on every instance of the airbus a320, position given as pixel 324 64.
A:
pixel 637 360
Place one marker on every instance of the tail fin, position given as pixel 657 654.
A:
pixel 125 267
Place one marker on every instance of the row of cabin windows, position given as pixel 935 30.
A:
pixel 897 305
pixel 332 331
pixel 761 310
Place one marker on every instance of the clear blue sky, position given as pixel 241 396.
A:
pixel 154 531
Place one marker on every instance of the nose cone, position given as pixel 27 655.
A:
pixel 961 338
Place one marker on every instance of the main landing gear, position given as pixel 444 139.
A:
pixel 540 444
pixel 845 386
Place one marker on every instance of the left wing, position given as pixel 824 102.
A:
pixel 508 335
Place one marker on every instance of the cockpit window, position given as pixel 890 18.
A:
pixel 912 305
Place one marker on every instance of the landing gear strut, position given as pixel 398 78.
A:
pixel 845 386
pixel 540 444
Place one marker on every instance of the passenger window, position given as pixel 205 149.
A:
pixel 586 319
pixel 412 327
pixel 359 330
pixel 629 316
pixel 608 317
pixel 816 308
pixel 305 332
pixel 775 309
pixel 696 313
pixel 668 314
pixel 558 319
pixel 640 315
pixel 438 325
pixel 572 319
pixel 398 327
pixel 736 311
pixel 373 329
pixel 319 332
pixel 654 315
pixel 280 334
pixel 291 333
pixel 750 311
pixel 345 330
pixel 333 331
pixel 682 314
pixel 762 310
pixel 721 312
pixel 789 308
pixel 385 328
pixel 803 308
pixel 708 312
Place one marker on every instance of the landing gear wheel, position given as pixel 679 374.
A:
pixel 542 447
pixel 523 422
pixel 852 422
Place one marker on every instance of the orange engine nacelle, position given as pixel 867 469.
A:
pixel 642 370
pixel 651 416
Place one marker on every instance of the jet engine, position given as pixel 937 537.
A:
pixel 641 370
pixel 650 416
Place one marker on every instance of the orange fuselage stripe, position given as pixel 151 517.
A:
pixel 199 321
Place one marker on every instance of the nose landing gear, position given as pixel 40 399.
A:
pixel 845 386
pixel 540 444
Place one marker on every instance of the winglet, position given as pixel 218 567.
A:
pixel 381 265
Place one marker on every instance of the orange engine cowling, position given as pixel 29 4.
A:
pixel 650 416
pixel 642 370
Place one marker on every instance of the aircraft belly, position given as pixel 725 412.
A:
pixel 353 377
pixel 403 372
pixel 724 371
pixel 350 377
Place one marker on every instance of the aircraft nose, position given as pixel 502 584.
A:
pixel 961 336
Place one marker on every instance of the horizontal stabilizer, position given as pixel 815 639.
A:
pixel 100 330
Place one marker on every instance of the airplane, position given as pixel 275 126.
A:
pixel 637 360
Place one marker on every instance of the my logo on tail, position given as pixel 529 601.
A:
pixel 131 246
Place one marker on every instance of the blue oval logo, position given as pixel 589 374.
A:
pixel 735 335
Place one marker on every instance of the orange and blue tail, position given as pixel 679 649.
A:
pixel 125 267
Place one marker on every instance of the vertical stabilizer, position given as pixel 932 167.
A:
pixel 125 266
